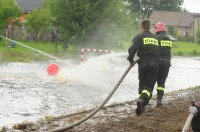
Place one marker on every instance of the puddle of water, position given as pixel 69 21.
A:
pixel 28 93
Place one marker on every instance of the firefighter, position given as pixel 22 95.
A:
pixel 145 45
pixel 196 119
pixel 164 59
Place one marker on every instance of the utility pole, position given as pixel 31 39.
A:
pixel 193 28
pixel 139 21
pixel 140 10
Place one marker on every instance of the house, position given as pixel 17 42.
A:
pixel 28 5
pixel 184 23
pixel 196 22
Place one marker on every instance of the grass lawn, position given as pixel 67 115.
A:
pixel 24 54
pixel 21 53
pixel 26 51
pixel 186 49
pixel 45 47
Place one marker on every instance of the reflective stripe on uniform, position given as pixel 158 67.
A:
pixel 150 41
pixel 166 43
pixel 146 92
pixel 160 88
pixel 139 95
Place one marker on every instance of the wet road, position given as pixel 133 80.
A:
pixel 28 93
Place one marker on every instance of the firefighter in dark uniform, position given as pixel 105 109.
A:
pixel 196 119
pixel 145 45
pixel 164 59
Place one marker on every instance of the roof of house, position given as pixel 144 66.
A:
pixel 29 5
pixel 172 18
pixel 196 14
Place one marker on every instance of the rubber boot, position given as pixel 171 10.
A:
pixel 147 102
pixel 140 106
pixel 159 100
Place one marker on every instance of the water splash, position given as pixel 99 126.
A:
pixel 91 70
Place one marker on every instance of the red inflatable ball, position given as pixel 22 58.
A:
pixel 53 69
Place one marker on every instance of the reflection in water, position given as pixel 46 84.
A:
pixel 28 93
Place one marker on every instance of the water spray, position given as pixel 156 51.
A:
pixel 100 106
pixel 99 51
pixel 50 56
pixel 52 68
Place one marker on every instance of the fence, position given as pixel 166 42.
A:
pixel 20 34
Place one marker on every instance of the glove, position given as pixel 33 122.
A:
pixel 130 59
pixel 193 110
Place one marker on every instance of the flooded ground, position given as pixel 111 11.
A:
pixel 28 93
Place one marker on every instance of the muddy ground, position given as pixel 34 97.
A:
pixel 170 117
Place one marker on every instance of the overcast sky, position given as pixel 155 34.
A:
pixel 192 5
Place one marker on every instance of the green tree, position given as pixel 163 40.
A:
pixel 146 7
pixel 9 10
pixel 97 22
pixel 38 21
pixel 171 30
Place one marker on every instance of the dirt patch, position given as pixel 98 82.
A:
pixel 170 117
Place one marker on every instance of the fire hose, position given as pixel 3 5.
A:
pixel 100 106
